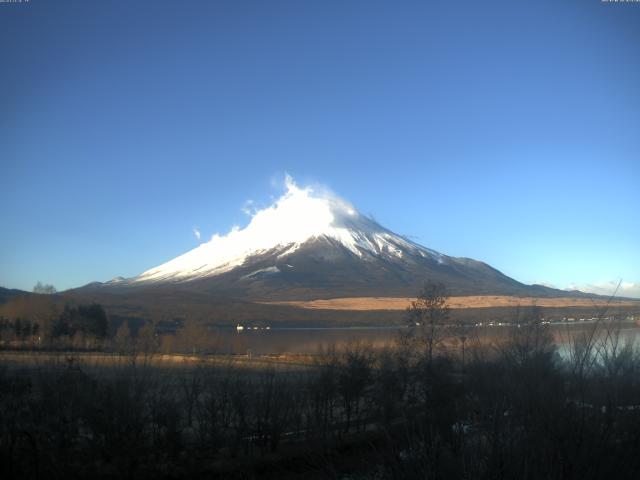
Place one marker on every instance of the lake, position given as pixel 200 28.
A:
pixel 309 340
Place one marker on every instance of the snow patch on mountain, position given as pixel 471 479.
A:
pixel 262 271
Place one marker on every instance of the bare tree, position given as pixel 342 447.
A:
pixel 192 388
pixel 44 288
pixel 122 340
pixel 530 339
pixel 354 376
pixel 194 338
pixel 428 315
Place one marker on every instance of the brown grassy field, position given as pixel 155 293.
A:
pixel 477 301
pixel 101 360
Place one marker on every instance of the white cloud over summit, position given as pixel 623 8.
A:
pixel 299 214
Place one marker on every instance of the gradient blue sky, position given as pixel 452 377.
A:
pixel 506 131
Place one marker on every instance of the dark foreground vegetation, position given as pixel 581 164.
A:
pixel 440 404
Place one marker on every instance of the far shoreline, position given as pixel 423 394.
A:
pixel 455 303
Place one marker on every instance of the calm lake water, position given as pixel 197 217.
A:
pixel 311 340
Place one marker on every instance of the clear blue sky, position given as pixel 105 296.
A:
pixel 506 131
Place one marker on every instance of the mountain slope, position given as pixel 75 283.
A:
pixel 308 246
pixel 7 294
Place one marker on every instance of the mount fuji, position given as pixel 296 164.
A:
pixel 311 245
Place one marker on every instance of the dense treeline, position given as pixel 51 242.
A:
pixel 88 325
pixel 89 328
pixel 516 408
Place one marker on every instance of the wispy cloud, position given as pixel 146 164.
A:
pixel 196 232
pixel 249 208
pixel 626 289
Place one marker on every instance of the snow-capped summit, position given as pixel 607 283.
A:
pixel 299 216
pixel 308 245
